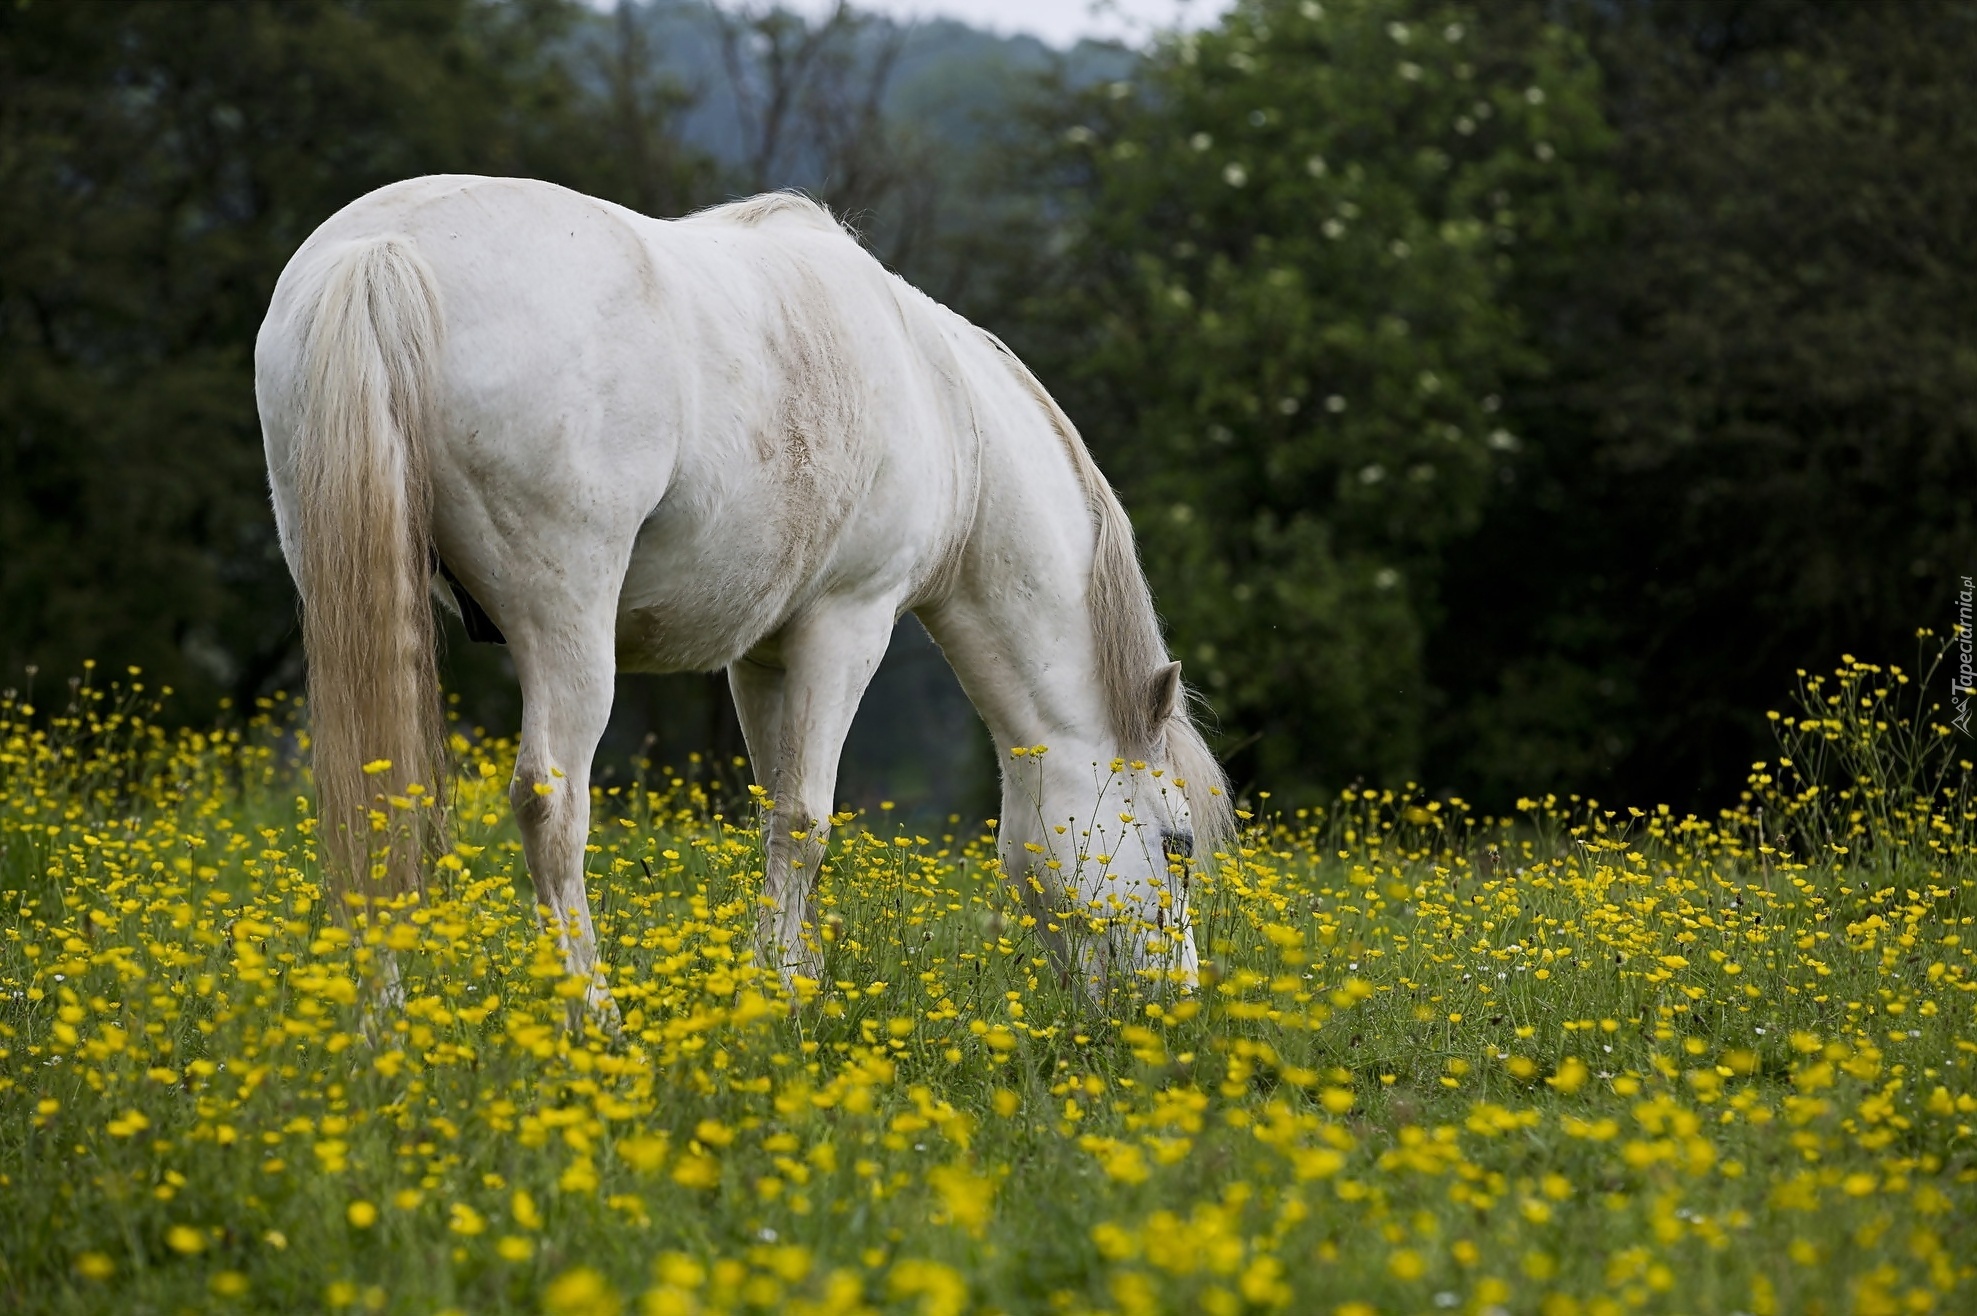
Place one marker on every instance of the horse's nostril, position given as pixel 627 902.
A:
pixel 1178 845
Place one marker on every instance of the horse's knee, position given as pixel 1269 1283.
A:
pixel 796 848
pixel 533 795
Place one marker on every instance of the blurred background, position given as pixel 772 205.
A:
pixel 1509 396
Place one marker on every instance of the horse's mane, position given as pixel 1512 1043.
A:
pixel 757 210
pixel 1126 630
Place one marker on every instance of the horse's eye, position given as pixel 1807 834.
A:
pixel 1178 845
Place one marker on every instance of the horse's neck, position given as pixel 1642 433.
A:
pixel 1017 625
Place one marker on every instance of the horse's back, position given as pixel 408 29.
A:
pixel 548 297
pixel 731 411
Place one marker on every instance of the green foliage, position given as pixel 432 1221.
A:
pixel 159 163
pixel 1646 392
pixel 1285 331
pixel 1755 445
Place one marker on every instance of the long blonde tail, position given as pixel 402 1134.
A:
pixel 364 502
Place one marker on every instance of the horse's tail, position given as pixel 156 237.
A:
pixel 364 504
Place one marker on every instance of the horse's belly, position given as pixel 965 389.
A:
pixel 740 544
pixel 698 595
pixel 710 579
pixel 692 634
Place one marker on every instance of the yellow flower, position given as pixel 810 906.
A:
pixel 1120 1160
pixel 1135 1293
pixel 1571 1076
pixel 679 1270
pixel 941 1290
pixel 697 1171
pixel 361 1215
pixel 1114 1243
pixel 580 1292
pixel 185 1240
pixel 128 1125
pixel 642 1153
pixel 967 1196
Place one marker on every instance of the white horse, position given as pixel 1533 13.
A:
pixel 732 440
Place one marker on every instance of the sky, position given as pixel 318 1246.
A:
pixel 1059 22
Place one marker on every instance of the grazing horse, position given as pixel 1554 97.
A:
pixel 731 440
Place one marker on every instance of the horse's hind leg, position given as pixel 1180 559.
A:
pixel 566 666
pixel 796 717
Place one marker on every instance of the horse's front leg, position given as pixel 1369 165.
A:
pixel 566 668
pixel 796 704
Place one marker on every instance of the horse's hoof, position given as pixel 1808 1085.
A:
pixel 597 1007
pixel 603 1009
pixel 802 976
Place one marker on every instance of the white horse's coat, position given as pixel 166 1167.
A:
pixel 732 440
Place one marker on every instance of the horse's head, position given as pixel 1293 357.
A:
pixel 1110 847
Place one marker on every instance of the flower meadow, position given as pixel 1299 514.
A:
pixel 1577 1059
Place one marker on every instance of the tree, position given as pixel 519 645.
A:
pixel 640 160
pixel 1281 322
pixel 1756 446
pixel 811 99
pixel 161 162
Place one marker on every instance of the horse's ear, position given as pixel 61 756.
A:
pixel 1165 693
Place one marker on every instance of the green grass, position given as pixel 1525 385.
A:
pixel 1582 1060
